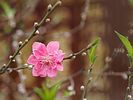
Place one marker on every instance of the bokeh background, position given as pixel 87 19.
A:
pixel 74 24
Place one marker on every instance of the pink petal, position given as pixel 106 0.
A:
pixel 43 72
pixel 40 47
pixel 53 46
pixel 36 69
pixel 39 70
pixel 60 56
pixel 32 60
pixel 34 72
pixel 51 73
pixel 38 54
pixel 59 67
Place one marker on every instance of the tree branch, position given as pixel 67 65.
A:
pixel 81 51
pixel 36 27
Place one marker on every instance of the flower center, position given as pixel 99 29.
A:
pixel 47 60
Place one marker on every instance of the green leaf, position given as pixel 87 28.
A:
pixel 66 93
pixel 39 92
pixel 127 45
pixel 46 93
pixel 92 51
pixel 54 89
pixel 131 2
pixel 8 11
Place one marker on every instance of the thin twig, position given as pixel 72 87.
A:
pixel 19 68
pixel 36 27
pixel 88 81
pixel 21 86
pixel 129 92
pixel 81 51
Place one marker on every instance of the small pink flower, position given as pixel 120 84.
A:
pixel 46 60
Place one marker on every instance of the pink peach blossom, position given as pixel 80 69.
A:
pixel 46 60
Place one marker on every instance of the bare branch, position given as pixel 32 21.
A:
pixel 36 27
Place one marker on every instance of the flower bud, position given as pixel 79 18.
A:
pixel 30 66
pixel 82 87
pixel 129 97
pixel 37 32
pixel 25 64
pixel 13 60
pixel 59 2
pixel 26 40
pixel 48 19
pixel 73 57
pixel 84 54
pixel 84 98
pixel 9 70
pixel 36 24
pixel 10 57
pixel 108 59
pixel 20 43
pixel 20 53
pixel 49 8
pixel 4 65
pixel 70 88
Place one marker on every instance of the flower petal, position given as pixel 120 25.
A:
pixel 34 72
pixel 32 60
pixel 40 47
pixel 36 69
pixel 59 67
pixel 53 46
pixel 39 70
pixel 60 56
pixel 51 73
pixel 43 72
pixel 38 54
